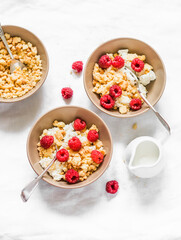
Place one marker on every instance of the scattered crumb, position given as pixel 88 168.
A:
pixel 134 126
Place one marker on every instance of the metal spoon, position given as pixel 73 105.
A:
pixel 29 189
pixel 14 63
pixel 161 119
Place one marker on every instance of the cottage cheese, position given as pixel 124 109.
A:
pixel 103 79
pixel 80 161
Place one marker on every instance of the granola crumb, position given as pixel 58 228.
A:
pixel 106 76
pixel 23 80
pixel 134 126
pixel 79 159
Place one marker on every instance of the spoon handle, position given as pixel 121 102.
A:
pixel 5 42
pixel 161 119
pixel 28 190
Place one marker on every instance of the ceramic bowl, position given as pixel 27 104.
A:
pixel 29 36
pixel 155 88
pixel 68 114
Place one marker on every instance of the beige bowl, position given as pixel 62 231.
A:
pixel 29 36
pixel 155 88
pixel 68 114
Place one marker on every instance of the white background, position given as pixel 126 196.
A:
pixel 142 209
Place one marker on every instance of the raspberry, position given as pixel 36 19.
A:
pixel 77 66
pixel 92 135
pixel 115 91
pixel 107 102
pixel 135 104
pixel 75 144
pixel 79 124
pixel 137 65
pixel 105 61
pixel 62 155
pixel 72 176
pixel 118 62
pixel 67 92
pixel 112 186
pixel 46 141
pixel 97 156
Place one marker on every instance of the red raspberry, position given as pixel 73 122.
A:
pixel 118 62
pixel 75 144
pixel 135 104
pixel 137 65
pixel 92 135
pixel 112 186
pixel 62 155
pixel 107 102
pixel 115 91
pixel 67 92
pixel 105 61
pixel 77 66
pixel 46 141
pixel 72 176
pixel 97 156
pixel 79 124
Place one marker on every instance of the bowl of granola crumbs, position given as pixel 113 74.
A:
pixel 109 83
pixel 78 139
pixel 27 48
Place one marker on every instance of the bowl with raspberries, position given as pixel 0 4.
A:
pixel 78 140
pixel 109 83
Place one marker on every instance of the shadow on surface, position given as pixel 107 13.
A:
pixel 14 117
pixel 121 128
pixel 71 201
pixel 148 190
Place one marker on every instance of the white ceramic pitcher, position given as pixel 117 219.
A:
pixel 143 157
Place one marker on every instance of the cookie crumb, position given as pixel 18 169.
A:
pixel 134 126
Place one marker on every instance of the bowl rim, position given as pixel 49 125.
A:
pixel 112 113
pixel 70 186
pixel 18 99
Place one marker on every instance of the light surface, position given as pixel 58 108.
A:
pixel 142 209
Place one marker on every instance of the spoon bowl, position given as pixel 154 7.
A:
pixel 68 114
pixel 155 88
pixel 27 36
pixel 29 189
pixel 160 118
pixel 14 64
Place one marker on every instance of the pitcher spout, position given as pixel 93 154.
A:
pixel 143 157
